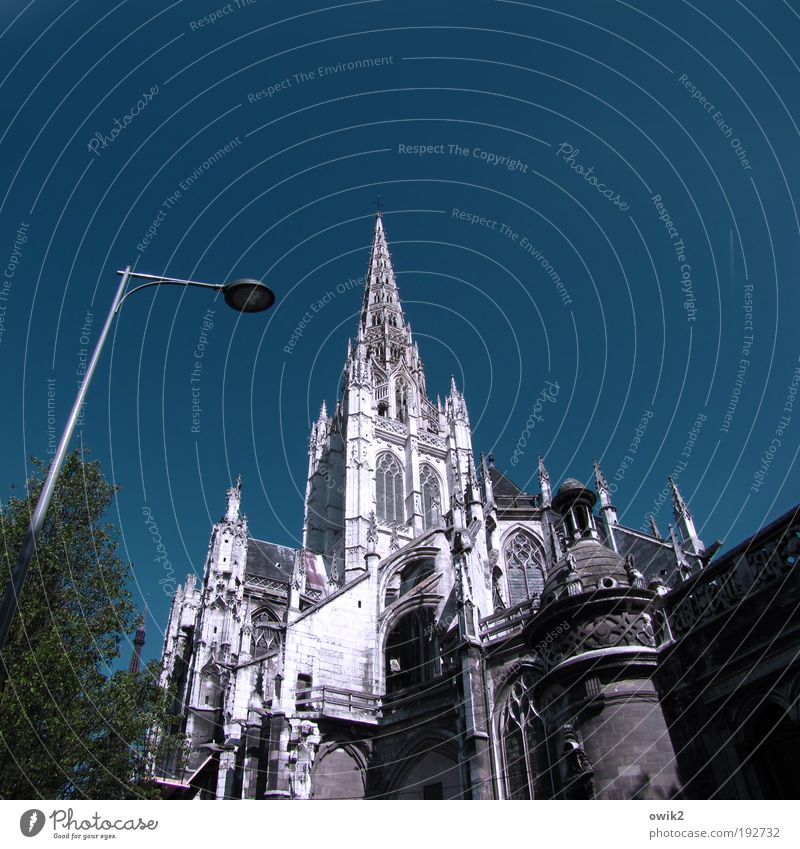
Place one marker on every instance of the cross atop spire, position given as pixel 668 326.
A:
pixel 379 204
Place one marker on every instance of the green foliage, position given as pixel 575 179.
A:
pixel 68 728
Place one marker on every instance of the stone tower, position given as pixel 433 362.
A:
pixel 440 633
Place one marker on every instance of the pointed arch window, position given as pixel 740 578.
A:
pixel 389 490
pixel 523 747
pixel 267 633
pixel 431 497
pixel 524 570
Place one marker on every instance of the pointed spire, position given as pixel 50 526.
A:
pixel 651 520
pixel 684 520
pixel 544 482
pixel 604 493
pixel 323 413
pixel 679 506
pixel 382 326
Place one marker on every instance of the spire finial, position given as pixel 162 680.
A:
pixel 544 482
pixel 679 506
pixel 379 204
pixel 651 520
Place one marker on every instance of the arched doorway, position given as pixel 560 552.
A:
pixel 432 773
pixel 337 775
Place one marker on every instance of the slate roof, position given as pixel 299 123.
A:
pixel 501 485
pixel 269 560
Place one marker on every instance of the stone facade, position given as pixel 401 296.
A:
pixel 440 633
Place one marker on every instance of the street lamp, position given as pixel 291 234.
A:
pixel 242 295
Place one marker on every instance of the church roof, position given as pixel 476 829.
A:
pixel 501 485
pixel 269 560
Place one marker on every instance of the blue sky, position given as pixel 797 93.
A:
pixel 595 195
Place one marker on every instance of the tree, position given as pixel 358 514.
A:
pixel 68 727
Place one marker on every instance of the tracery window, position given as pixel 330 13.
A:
pixel 267 633
pixel 518 733
pixel 431 497
pixel 523 568
pixel 389 490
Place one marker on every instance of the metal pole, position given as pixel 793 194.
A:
pixel 20 570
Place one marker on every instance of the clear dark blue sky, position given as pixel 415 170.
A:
pixel 645 155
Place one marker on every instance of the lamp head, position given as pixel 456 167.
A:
pixel 248 295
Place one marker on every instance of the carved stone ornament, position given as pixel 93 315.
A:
pixel 303 744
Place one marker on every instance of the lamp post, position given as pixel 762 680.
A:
pixel 241 295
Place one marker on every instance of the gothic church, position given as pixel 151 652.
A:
pixel 441 634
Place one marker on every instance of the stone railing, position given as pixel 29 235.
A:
pixel 434 441
pixel 338 703
pixel 509 621
pixel 760 563
pixel 390 426
pixel 256 583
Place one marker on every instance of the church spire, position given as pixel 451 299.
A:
pixel 382 325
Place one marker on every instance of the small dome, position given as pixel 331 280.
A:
pixel 570 491
pixel 596 565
